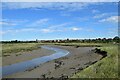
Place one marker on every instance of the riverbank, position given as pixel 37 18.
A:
pixel 24 56
pixel 105 68
pixel 78 59
pixel 14 48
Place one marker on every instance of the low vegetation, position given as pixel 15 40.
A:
pixel 105 68
pixel 8 48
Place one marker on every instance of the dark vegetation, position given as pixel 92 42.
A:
pixel 98 40
pixel 99 51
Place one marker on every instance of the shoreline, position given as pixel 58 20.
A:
pixel 24 56
pixel 78 59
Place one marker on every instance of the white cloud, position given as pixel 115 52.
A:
pixel 46 30
pixel 110 19
pixel 100 15
pixel 59 26
pixel 11 22
pixel 55 28
pixel 39 22
pixel 105 15
pixel 14 31
pixel 50 5
pixel 60 0
pixel 76 28
pixel 7 23
pixel 58 29
pixel 1 23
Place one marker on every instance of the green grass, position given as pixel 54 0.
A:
pixel 9 48
pixel 105 68
pixel 77 44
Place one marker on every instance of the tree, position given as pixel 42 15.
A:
pixel 116 39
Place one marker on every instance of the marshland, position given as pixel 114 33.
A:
pixel 81 62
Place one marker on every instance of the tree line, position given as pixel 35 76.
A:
pixel 116 39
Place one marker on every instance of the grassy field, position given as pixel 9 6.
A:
pixel 9 48
pixel 105 68
pixel 77 44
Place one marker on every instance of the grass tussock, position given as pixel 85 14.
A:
pixel 105 68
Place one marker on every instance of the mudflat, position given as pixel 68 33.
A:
pixel 24 56
pixel 78 59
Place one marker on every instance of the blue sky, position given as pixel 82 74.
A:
pixel 30 21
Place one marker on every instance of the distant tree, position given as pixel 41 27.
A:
pixel 116 39
pixel 104 40
pixel 99 40
pixel 15 41
pixel 109 40
pixel 67 39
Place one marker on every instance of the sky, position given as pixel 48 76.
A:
pixel 58 20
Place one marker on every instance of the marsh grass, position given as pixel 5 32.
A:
pixel 9 48
pixel 76 44
pixel 105 68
